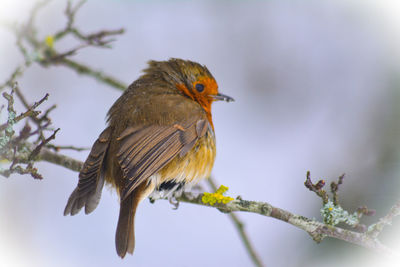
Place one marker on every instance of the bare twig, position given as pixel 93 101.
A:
pixel 21 96
pixel 317 188
pixel 37 149
pixel 335 189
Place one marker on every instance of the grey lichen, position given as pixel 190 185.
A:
pixel 334 214
pixel 9 131
pixel 4 139
pixel 11 121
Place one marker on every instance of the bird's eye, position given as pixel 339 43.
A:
pixel 199 87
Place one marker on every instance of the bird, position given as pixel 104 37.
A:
pixel 159 141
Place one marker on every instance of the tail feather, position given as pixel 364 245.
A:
pixel 125 235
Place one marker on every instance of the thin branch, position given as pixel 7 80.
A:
pixel 37 149
pixel 29 113
pixel 317 188
pixel 10 82
pixel 21 96
pixel 240 228
pixel 98 75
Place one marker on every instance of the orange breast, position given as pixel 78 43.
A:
pixel 194 166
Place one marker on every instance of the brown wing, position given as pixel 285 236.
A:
pixel 91 178
pixel 144 151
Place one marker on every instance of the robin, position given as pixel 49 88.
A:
pixel 159 140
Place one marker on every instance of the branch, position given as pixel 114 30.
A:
pixel 59 159
pixel 43 52
pixel 317 230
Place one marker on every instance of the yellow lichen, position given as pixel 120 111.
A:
pixel 217 197
pixel 49 41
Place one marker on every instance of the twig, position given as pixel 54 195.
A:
pixel 37 149
pixel 29 113
pixel 21 96
pixel 240 228
pixel 317 188
pixel 335 189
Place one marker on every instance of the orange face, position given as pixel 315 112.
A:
pixel 200 86
pixel 204 90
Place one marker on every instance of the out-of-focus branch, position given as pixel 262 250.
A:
pixel 240 228
pixel 13 148
pixel 59 159
pixel 43 51
pixel 375 229
pixel 58 148
pixel 98 75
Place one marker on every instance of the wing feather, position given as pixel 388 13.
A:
pixel 143 152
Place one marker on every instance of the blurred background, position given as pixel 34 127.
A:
pixel 316 85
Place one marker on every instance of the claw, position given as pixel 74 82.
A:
pixel 174 202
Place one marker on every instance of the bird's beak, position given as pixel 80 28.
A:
pixel 222 97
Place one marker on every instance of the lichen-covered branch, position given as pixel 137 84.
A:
pixel 317 230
